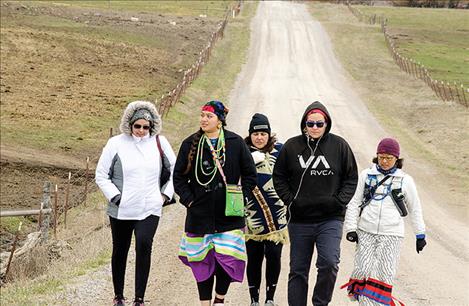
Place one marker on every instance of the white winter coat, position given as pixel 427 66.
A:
pixel 381 215
pixel 138 162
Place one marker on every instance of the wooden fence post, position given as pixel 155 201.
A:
pixel 13 248
pixel 39 219
pixel 56 213
pixel 67 194
pixel 46 204
pixel 444 90
pixel 86 177
pixel 464 94
pixel 450 92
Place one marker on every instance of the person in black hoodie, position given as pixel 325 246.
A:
pixel 316 176
pixel 213 243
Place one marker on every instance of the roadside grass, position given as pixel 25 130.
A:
pixel 87 231
pixel 431 131
pixel 437 38
pixel 181 8
pixel 216 80
pixel 20 293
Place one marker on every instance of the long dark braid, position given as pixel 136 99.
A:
pixel 192 151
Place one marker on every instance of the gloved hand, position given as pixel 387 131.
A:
pixel 352 237
pixel 420 243
pixel 116 200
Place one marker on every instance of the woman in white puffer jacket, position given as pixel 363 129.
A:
pixel 375 221
pixel 128 173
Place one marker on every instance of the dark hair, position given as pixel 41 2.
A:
pixel 268 147
pixel 192 151
pixel 399 162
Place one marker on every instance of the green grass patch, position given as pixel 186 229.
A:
pixel 103 258
pixel 437 38
pixel 10 224
pixel 18 294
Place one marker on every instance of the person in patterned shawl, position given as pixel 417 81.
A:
pixel 266 214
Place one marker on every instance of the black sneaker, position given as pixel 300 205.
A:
pixel 138 302
pixel 118 301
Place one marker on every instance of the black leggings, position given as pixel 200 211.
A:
pixel 221 287
pixel 121 238
pixel 256 251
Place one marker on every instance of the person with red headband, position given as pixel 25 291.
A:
pixel 375 221
pixel 315 176
pixel 213 243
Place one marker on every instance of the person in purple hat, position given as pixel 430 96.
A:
pixel 213 243
pixel 375 221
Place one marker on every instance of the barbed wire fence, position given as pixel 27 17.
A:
pixel 456 92
pixel 58 198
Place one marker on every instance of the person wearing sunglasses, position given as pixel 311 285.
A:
pixel 128 174
pixel 213 243
pixel 375 221
pixel 266 214
pixel 315 175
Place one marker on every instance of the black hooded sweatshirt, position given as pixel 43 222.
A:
pixel 329 178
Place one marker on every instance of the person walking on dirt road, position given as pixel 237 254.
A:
pixel 128 174
pixel 375 221
pixel 266 214
pixel 211 165
pixel 316 176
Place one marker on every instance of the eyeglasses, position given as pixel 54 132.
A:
pixel 139 126
pixel 386 158
pixel 311 124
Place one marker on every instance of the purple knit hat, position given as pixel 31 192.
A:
pixel 388 146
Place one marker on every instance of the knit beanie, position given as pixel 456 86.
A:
pixel 259 123
pixel 388 146
pixel 141 113
pixel 218 109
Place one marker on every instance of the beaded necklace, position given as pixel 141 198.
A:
pixel 218 153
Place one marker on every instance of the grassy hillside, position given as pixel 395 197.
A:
pixel 69 67
pixel 437 38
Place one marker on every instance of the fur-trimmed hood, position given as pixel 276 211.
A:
pixel 129 111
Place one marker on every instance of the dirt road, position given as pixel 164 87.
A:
pixel 291 63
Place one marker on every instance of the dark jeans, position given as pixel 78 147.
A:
pixel 256 251
pixel 121 238
pixel 326 236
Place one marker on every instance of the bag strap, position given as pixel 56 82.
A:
pixel 373 189
pixel 372 193
pixel 158 143
pixel 220 168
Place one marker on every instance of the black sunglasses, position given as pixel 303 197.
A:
pixel 139 126
pixel 311 124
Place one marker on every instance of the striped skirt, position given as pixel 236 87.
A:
pixel 201 252
pixel 376 262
